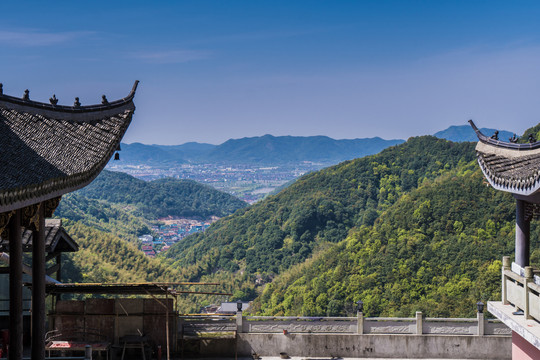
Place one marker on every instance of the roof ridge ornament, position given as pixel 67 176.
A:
pixel 1 89
pixel 77 103
pixel 53 100
pixel 64 111
pixel 104 100
pixel 534 144
pixel 514 139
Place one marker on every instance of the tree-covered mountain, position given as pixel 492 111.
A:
pixel 466 133
pixel 414 227
pixel 436 250
pixel 163 197
pixel 319 208
pixel 265 149
pixel 284 149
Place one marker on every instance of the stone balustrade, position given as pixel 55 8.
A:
pixel 520 288
pixel 342 325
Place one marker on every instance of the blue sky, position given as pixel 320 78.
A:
pixel 214 70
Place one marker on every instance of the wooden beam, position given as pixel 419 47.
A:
pixel 53 269
pixel 52 255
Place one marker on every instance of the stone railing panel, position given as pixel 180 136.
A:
pixel 206 324
pixel 450 326
pixel 389 326
pixel 299 325
pixel 495 327
pixel 514 293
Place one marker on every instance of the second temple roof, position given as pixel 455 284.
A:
pixel 509 167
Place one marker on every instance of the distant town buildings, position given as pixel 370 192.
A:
pixel 248 182
pixel 170 232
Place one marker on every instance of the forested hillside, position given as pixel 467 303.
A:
pixel 106 218
pixel 163 197
pixel 414 227
pixel 319 208
pixel 105 257
pixel 437 250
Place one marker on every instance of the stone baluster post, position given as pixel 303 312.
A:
pixel 360 324
pixel 528 278
pixel 481 323
pixel 239 322
pixel 505 266
pixel 419 324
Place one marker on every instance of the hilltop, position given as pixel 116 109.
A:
pixel 466 133
pixel 265 149
pixel 163 197
pixel 317 210
pixel 436 250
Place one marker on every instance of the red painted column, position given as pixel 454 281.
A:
pixel 522 349
pixel 15 288
pixel 523 234
pixel 38 288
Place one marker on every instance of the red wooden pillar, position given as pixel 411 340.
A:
pixel 15 288
pixel 523 234
pixel 38 286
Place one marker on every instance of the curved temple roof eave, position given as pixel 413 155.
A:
pixel 503 144
pixel 12 198
pixel 63 112
pixel 530 191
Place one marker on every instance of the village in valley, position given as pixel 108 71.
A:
pixel 169 232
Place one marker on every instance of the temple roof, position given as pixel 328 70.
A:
pixel 49 150
pixel 509 167
pixel 56 239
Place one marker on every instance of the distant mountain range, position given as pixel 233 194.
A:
pixel 466 133
pixel 270 149
pixel 265 149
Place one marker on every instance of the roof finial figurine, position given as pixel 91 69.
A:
pixel 514 139
pixel 77 103
pixel 496 135
pixel 116 156
pixel 1 89
pixel 104 100
pixel 53 100
pixel 532 139
pixel 26 95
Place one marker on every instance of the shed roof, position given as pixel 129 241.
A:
pixel 49 150
pixel 507 166
pixel 56 239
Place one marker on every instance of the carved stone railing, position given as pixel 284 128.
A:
pixel 193 325
pixel 521 288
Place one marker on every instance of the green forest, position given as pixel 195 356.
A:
pixel 319 208
pixel 163 197
pixel 413 228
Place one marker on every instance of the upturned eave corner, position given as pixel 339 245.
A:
pixel 50 109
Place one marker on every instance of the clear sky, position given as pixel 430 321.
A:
pixel 214 70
